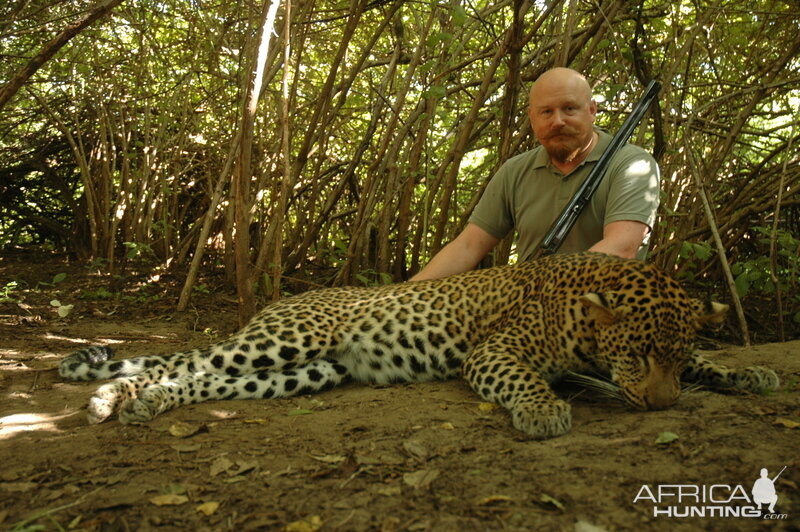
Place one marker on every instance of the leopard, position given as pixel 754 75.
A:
pixel 512 332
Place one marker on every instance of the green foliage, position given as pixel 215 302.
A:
pixel 99 293
pixel 7 290
pixel 693 255
pixel 63 310
pixel 114 149
pixel 201 289
pixel 373 278
pixel 755 274
pixel 59 277
pixel 138 250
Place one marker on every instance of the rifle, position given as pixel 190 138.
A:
pixel 566 220
pixel 779 474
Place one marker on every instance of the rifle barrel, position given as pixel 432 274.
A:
pixel 779 474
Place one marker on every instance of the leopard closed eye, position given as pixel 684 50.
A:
pixel 510 331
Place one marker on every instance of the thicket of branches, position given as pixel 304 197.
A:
pixel 355 137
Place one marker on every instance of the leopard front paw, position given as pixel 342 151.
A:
pixel 543 421
pixel 143 408
pixel 755 379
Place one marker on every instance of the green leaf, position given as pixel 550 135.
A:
pixel 666 438
pixel 742 284
pixel 702 251
pixel 459 15
pixel 59 277
pixel 436 92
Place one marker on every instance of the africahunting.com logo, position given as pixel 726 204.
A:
pixel 713 500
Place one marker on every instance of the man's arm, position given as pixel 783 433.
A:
pixel 622 238
pixel 460 255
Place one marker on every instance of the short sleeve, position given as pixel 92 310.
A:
pixel 634 189
pixel 494 213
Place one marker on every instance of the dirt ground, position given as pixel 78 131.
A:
pixel 415 457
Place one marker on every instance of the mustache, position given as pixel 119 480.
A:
pixel 563 131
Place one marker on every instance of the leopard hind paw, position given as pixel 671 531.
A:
pixel 141 409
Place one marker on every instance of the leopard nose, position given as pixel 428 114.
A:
pixel 661 397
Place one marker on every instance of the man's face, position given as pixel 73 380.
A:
pixel 562 115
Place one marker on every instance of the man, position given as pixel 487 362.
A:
pixel 764 491
pixel 530 190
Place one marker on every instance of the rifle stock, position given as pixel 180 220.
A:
pixel 566 220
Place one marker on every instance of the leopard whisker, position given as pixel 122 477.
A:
pixel 597 383
pixel 691 387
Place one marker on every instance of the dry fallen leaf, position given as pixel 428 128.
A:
pixel 309 524
pixel 787 423
pixel 244 467
pixel 181 429
pixel 487 407
pixel 169 500
pixel 329 458
pixel 219 465
pixel 585 526
pixel 447 426
pixel 186 447
pixel 764 411
pixel 255 421
pixel 208 508
pixel 494 499
pixel 422 478
pixel 393 490
pixel 546 500
pixel 415 449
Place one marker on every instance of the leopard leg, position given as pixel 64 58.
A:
pixel 755 379
pixel 317 375
pixel 496 371
pixel 109 397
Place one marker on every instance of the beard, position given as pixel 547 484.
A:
pixel 565 144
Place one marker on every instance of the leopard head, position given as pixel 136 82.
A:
pixel 645 336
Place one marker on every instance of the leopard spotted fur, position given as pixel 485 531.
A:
pixel 509 331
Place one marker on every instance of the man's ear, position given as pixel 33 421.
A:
pixel 603 307
pixel 709 312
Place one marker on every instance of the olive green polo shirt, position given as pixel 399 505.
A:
pixel 528 193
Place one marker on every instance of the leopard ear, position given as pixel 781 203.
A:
pixel 709 312
pixel 604 307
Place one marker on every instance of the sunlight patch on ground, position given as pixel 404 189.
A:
pixel 17 423
pixel 82 341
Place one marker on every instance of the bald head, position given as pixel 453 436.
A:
pixel 562 115
pixel 562 80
